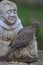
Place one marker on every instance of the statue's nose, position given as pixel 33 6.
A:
pixel 11 14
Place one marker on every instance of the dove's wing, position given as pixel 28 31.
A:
pixel 22 39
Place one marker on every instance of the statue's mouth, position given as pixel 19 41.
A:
pixel 12 18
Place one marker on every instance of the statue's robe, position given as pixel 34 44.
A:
pixel 7 33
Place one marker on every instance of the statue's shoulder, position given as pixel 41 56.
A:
pixel 1 24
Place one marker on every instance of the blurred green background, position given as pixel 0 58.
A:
pixel 31 10
pixel 26 13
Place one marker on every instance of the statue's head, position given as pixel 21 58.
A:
pixel 8 10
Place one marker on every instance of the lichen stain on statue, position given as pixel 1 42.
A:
pixel 10 25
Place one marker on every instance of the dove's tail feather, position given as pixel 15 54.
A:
pixel 9 55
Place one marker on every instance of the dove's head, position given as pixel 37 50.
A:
pixel 36 24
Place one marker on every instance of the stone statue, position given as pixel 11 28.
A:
pixel 10 26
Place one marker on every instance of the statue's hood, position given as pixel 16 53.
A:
pixel 6 26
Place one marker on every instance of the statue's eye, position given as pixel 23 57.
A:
pixel 9 11
pixel 14 11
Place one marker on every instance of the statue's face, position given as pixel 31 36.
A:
pixel 10 13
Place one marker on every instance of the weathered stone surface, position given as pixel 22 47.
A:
pixel 3 63
pixel 17 63
pixel 12 63
pixel 40 62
